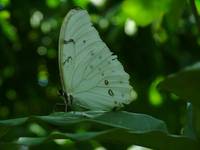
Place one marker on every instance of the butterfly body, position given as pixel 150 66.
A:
pixel 90 74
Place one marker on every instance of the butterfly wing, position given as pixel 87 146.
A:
pixel 89 70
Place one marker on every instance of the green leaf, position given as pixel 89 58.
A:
pixel 13 122
pixel 197 3
pixel 185 84
pixel 154 139
pixel 133 128
pixel 175 13
pixel 9 30
pixel 145 12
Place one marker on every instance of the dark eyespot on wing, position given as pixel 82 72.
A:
pixel 106 82
pixel 68 41
pixel 110 92
pixel 84 41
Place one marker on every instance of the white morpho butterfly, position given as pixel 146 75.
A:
pixel 91 77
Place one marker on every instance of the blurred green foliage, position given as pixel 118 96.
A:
pixel 151 38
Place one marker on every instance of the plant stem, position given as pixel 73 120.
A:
pixel 195 12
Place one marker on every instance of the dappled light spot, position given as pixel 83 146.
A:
pixel 135 147
pixel 98 3
pixel 46 27
pixel 130 27
pixel 103 23
pixel 36 18
pixel 41 50
pixel 43 76
pixel 63 141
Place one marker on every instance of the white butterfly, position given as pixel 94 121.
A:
pixel 91 76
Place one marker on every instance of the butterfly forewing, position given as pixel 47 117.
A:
pixel 89 71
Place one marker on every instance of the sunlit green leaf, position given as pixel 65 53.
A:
pixel 4 14
pixel 9 30
pixel 4 2
pixel 81 3
pixel 197 3
pixel 145 12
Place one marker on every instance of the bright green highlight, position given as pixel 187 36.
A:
pixel 197 3
pixel 37 129
pixel 145 12
pixel 155 97
pixel 52 3
pixel 4 2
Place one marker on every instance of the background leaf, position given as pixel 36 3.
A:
pixel 145 12
pixel 185 84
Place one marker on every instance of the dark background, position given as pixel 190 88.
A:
pixel 166 40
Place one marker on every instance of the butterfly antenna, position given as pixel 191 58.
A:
pixel 65 98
